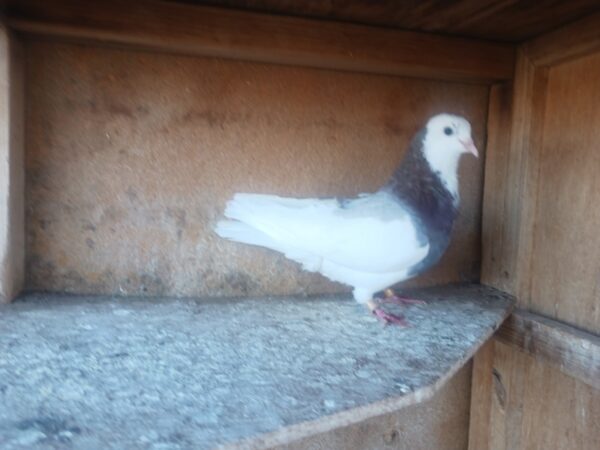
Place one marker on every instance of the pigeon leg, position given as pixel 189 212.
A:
pixel 391 297
pixel 385 317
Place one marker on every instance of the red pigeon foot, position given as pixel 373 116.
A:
pixel 391 297
pixel 386 317
pixel 389 318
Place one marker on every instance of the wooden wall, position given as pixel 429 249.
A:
pixel 440 423
pixel 139 130
pixel 538 385
pixel 131 156
pixel 565 270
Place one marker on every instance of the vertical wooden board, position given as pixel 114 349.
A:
pixel 507 400
pixel 12 203
pixel 548 249
pixel 526 135
pixel 131 157
pixel 511 172
pixel 565 272
pixel 536 406
pixel 559 411
pixel 493 258
pixel 482 390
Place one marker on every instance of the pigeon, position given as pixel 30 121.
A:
pixel 375 240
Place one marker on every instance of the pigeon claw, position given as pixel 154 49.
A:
pixel 389 318
pixel 391 297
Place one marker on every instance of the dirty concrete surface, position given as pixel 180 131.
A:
pixel 108 372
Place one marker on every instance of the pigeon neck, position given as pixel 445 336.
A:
pixel 417 183
pixel 444 164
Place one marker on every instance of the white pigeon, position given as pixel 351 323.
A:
pixel 375 240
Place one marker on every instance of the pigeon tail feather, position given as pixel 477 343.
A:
pixel 241 232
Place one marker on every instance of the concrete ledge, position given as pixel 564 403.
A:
pixel 251 373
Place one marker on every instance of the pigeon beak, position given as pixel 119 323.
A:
pixel 470 147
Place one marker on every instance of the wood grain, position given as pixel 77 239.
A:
pixel 546 381
pixel 513 169
pixel 12 202
pixel 494 260
pixel 255 37
pixel 526 136
pixel 507 399
pixel 536 406
pixel 569 42
pixel 482 389
pixel 565 277
pixel 572 351
pixel 509 20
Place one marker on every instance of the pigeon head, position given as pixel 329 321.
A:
pixel 446 138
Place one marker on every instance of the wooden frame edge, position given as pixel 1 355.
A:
pixel 515 122
pixel 258 37
pixel 481 397
pixel 573 351
pixel 572 41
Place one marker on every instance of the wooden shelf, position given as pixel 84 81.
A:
pixel 262 371
pixel 224 33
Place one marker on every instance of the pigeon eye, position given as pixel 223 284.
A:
pixel 448 131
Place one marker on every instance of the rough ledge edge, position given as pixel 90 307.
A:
pixel 302 430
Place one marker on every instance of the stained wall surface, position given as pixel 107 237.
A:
pixel 131 156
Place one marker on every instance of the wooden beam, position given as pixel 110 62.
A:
pixel 572 41
pixel 12 166
pixel 482 390
pixel 494 261
pixel 257 37
pixel 529 99
pixel 512 165
pixel 573 351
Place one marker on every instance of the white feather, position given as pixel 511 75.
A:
pixel 368 243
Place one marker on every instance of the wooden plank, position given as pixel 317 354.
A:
pixel 482 389
pixel 536 406
pixel 512 187
pixel 505 20
pixel 569 42
pixel 573 351
pixel 12 176
pixel 273 39
pixel 494 206
pixel 559 412
pixel 565 271
pixel 507 398
pixel 526 136
pixel 546 373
